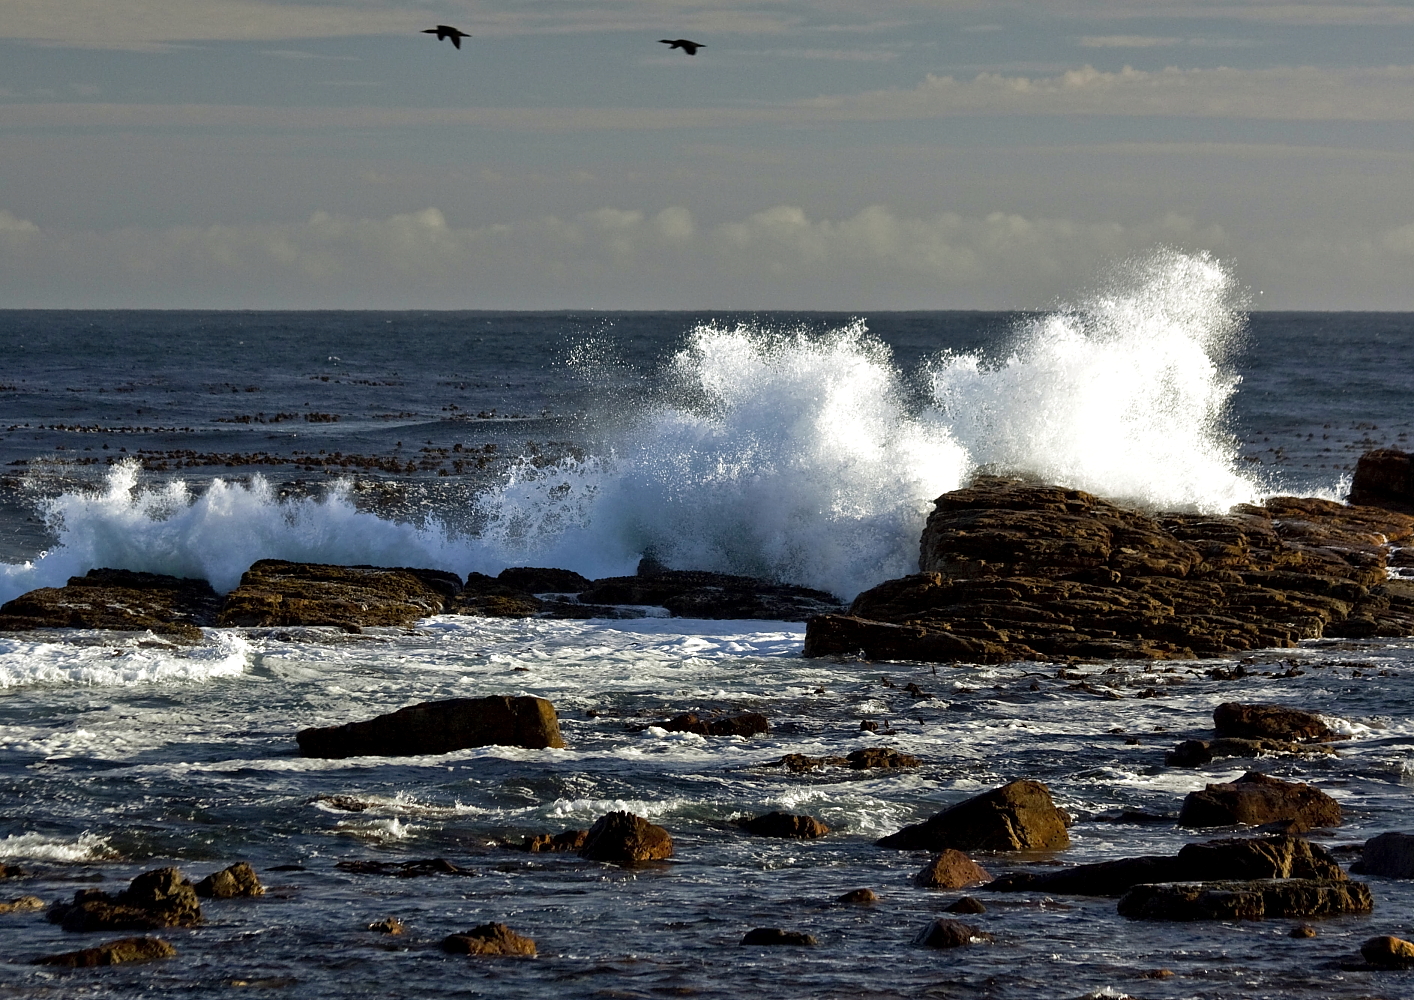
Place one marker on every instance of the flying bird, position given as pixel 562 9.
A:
pixel 447 31
pixel 682 43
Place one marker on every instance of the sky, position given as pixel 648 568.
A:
pixel 816 154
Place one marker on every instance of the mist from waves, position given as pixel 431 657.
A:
pixel 796 456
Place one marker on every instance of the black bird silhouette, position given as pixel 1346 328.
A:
pixel 447 31
pixel 682 43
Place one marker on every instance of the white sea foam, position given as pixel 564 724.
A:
pixel 24 663
pixel 791 456
pixel 38 847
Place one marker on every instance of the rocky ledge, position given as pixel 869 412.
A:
pixel 1013 570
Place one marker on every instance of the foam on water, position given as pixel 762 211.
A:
pixel 798 457
pixel 39 847
pixel 24 663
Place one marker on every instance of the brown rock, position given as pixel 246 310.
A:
pixel 1270 722
pixel 489 940
pixel 556 843
pixel 697 594
pixel 1388 952
pixel 143 949
pixel 12 871
pixel 237 880
pixel 882 757
pixel 389 925
pixel 1196 753
pixel 859 897
pixel 770 936
pixel 276 592
pixel 155 899
pixel 1390 855
pixel 22 903
pixel 967 904
pixel 623 838
pixel 1252 900
pixel 1019 816
pixel 946 933
pixel 1255 799
pixel 118 599
pixel 952 870
pixel 1302 931
pixel 1384 478
pixel 531 580
pixel 786 825
pixel 746 724
pixel 438 727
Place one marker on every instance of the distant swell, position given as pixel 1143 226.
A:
pixel 798 457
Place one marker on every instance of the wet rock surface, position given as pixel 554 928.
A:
pixel 947 933
pixel 1196 753
pixel 1247 900
pixel 21 904
pixel 237 880
pixel 952 870
pixel 1388 952
pixel 155 899
pixel 1234 720
pixel 1020 571
pixel 785 825
pixel 858 897
pixel 1256 799
pixel 276 592
pixel 118 599
pixel 143 949
pixel 1019 816
pixel 490 940
pixel 624 838
pixel 746 724
pixel 438 727
pixel 1384 478
pixel 863 759
pixel 697 594
pixel 551 843
pixel 771 936
pixel 1389 855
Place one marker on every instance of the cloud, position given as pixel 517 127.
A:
pixel 1127 41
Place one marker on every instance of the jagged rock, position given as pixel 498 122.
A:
pixel 776 936
pixel 143 949
pixel 1388 952
pixel 237 880
pixel 276 592
pixel 860 760
pixel 438 727
pixel 388 925
pixel 1256 799
pixel 1252 900
pixel 946 933
pixel 552 843
pixel 1384 478
pixel 859 897
pixel 623 838
pixel 1269 722
pixel 1196 753
pixel 1021 571
pixel 489 939
pixel 697 594
pixel 22 903
pixel 155 899
pixel 1019 816
pixel 952 870
pixel 786 825
pixel 746 724
pixel 118 599
pixel 1390 855
pixel 967 904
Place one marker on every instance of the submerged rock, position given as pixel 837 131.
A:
pixel 1196 753
pixel 947 933
pixel 1256 799
pixel 22 903
pixel 551 843
pixel 1250 900
pixel 421 868
pixel 276 592
pixel 1388 952
pixel 438 727
pixel 1390 855
pixel 967 904
pixel 623 838
pixel 155 899
pixel 864 759
pixel 490 940
pixel 746 724
pixel 785 825
pixel 388 925
pixel 952 870
pixel 143 949
pixel 237 880
pixel 118 599
pixel 1270 722
pixel 858 897
pixel 775 936
pixel 1019 816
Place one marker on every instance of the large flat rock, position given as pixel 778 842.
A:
pixel 437 727
pixel 118 599
pixel 276 592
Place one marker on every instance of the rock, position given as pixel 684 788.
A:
pixel 1302 931
pixel 143 949
pixel 548 843
pixel 775 936
pixel 697 594
pixel 1019 816
pixel 1251 900
pixel 1384 478
pixel 12 871
pixel 952 870
pixel 155 899
pixel 859 897
pixel 488 597
pixel 276 592
pixel 881 757
pixel 1023 571
pixel 22 903
pixel 966 904
pixel 1270 722
pixel 1106 878
pixel 531 580
pixel 489 939
pixel 946 933
pixel 420 868
pixel 1255 799
pixel 388 925
pixel 438 727
pixel 1388 952
pixel 118 599
pixel 746 724
pixel 237 880
pixel 787 825
pixel 623 838
pixel 1196 753
pixel 1390 855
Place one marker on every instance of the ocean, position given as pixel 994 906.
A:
pixel 803 447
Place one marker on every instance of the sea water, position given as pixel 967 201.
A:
pixel 801 447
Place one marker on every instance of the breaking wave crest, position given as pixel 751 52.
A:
pixel 795 456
